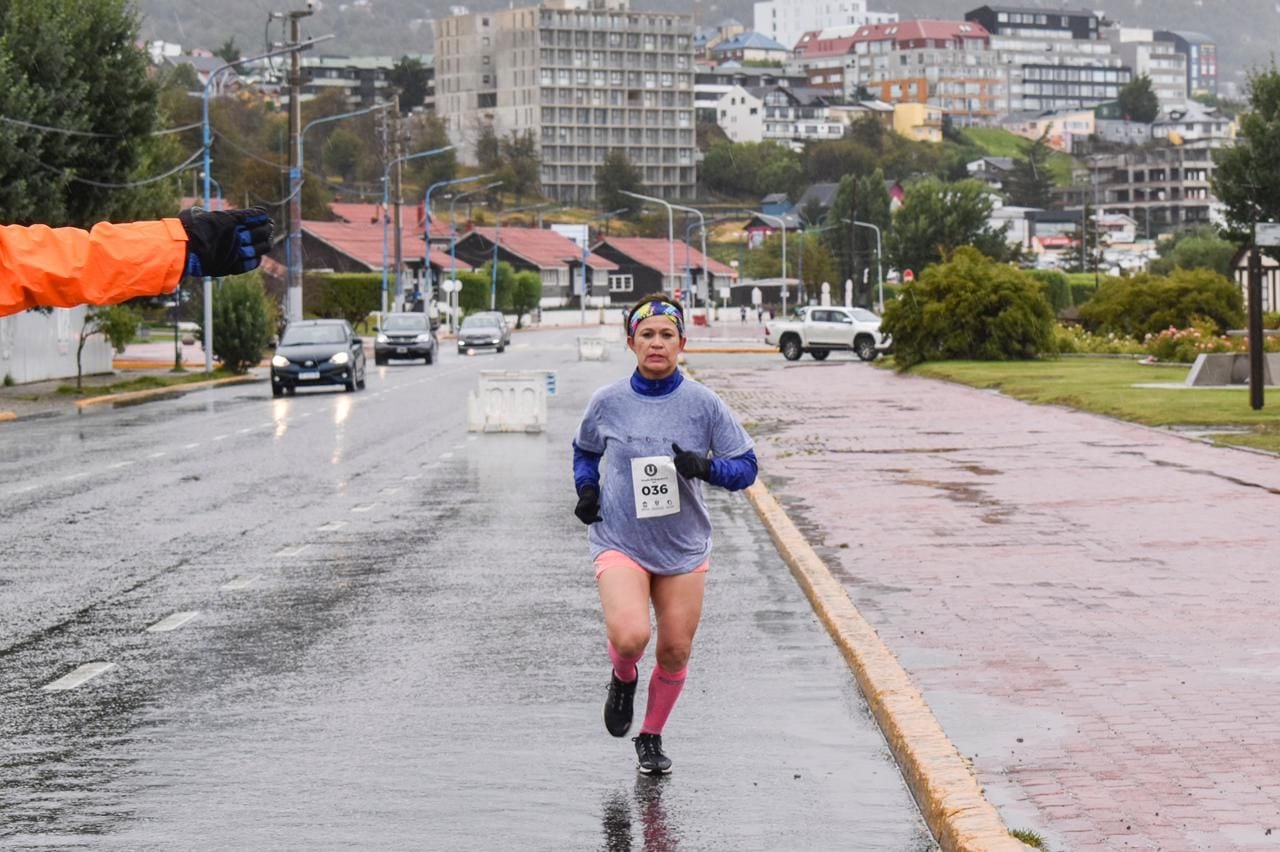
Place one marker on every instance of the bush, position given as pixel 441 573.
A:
pixel 1184 344
pixel 1147 304
pixel 526 295
pixel 349 296
pixel 1073 339
pixel 1057 287
pixel 970 308
pixel 1271 319
pixel 474 295
pixel 243 320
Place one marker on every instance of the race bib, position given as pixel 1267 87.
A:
pixel 657 490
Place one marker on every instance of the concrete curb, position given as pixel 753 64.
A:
pixel 941 781
pixel 171 390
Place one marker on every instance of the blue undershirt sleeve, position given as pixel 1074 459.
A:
pixel 586 468
pixel 734 473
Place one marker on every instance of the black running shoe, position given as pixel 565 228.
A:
pixel 618 707
pixel 649 753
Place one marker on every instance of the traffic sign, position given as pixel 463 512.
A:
pixel 908 275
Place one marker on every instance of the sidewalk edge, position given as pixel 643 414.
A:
pixel 171 390
pixel 944 787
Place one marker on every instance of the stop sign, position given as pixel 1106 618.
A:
pixel 908 275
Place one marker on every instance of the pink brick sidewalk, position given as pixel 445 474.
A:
pixel 1091 608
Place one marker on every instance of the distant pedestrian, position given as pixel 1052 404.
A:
pixel 648 526
pixel 759 314
pixel 742 313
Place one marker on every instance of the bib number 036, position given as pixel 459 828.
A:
pixel 656 489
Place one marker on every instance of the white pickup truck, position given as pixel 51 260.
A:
pixel 823 330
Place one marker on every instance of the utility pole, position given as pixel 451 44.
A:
pixel 293 302
pixel 393 126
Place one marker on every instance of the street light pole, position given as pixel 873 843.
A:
pixel 386 201
pixel 879 262
pixel 702 223
pixel 671 231
pixel 453 235
pixel 426 209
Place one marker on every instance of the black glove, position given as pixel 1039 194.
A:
pixel 588 508
pixel 690 465
pixel 225 242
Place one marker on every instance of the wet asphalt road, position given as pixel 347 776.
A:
pixel 339 621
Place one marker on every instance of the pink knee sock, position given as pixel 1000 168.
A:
pixel 624 667
pixel 664 689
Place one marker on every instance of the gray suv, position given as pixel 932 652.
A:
pixel 405 336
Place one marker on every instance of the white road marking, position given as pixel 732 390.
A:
pixel 83 674
pixel 160 454
pixel 173 622
pixel 292 551
pixel 368 508
pixel 331 526
pixel 390 491
pixel 79 475
pixel 219 437
pixel 446 455
pixel 23 490
pixel 191 446
pixel 119 465
pixel 241 582
pixel 413 477
pixel 244 431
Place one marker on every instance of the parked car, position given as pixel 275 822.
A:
pixel 405 336
pixel 501 319
pixel 480 331
pixel 823 330
pixel 313 353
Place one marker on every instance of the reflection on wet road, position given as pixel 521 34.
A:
pixel 339 621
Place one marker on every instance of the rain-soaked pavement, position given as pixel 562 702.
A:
pixel 339 621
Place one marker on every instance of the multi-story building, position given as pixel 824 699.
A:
pixel 785 21
pixel 1031 21
pixel 1053 71
pixel 750 47
pixel 782 114
pixel 710 84
pixel 362 79
pixel 585 77
pixel 1202 59
pixel 1158 60
pixel 1162 189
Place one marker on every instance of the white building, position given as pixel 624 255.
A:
pixel 786 20
pixel 35 346
pixel 778 114
pixel 1159 60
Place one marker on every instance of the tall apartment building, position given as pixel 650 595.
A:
pixel 1053 71
pixel 1162 189
pixel 1202 59
pixel 1033 21
pixel 786 20
pixel 1158 60
pixel 585 77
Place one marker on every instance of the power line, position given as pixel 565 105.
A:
pixel 90 133
pixel 103 185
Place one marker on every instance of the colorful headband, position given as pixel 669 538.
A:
pixel 656 309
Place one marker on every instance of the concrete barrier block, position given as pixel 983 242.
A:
pixel 593 349
pixel 508 401
pixel 1230 368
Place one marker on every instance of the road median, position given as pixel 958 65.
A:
pixel 940 779
pixel 156 393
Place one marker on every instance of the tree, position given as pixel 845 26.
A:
pixel 228 52
pixel 937 218
pixel 474 295
pixel 429 133
pixel 1138 101
pixel 526 295
pixel 819 266
pixel 243 320
pixel 1248 174
pixel 410 79
pixel 1030 183
pixel 752 169
pixel 74 66
pixel 488 149
pixel 839 233
pixel 342 152
pixel 1196 248
pixel 872 205
pixel 970 307
pixel 350 296
pixel 521 171
pixel 616 175
pixel 118 324
pixel 500 290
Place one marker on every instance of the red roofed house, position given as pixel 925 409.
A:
pixel 644 265
pixel 947 64
pixel 354 243
pixel 555 257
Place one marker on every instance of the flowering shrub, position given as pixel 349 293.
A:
pixel 1072 339
pixel 1184 344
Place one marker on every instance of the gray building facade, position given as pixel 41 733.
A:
pixel 585 77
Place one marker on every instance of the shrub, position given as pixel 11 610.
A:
pixel 1073 339
pixel 1271 319
pixel 1184 344
pixel 526 295
pixel 1057 287
pixel 474 295
pixel 242 322
pixel 349 296
pixel 970 308
pixel 1147 304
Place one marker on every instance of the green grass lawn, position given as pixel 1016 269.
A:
pixel 1106 386
pixel 1001 143
pixel 147 382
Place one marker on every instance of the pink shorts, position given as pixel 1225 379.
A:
pixel 617 559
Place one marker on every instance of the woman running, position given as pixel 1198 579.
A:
pixel 648 526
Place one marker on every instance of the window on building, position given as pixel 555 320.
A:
pixel 621 283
